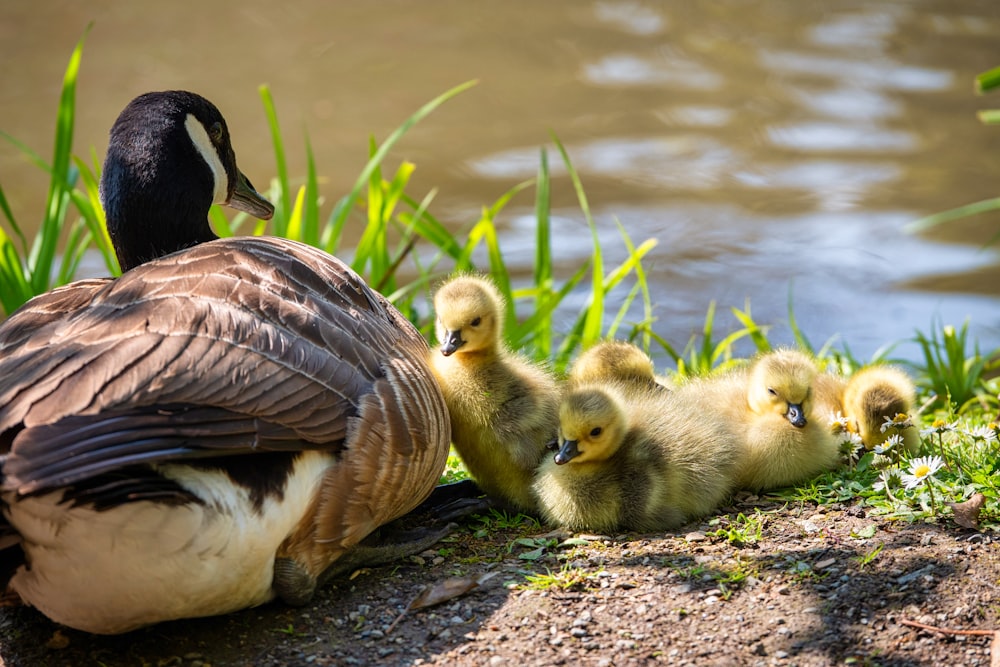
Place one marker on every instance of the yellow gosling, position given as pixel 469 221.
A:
pixel 785 418
pixel 642 461
pixel 504 409
pixel 875 394
pixel 612 361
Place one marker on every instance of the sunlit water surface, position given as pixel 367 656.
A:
pixel 775 150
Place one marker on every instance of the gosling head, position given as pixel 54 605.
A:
pixel 469 311
pixel 614 360
pixel 592 425
pixel 781 383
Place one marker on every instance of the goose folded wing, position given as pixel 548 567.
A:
pixel 210 352
pixel 83 447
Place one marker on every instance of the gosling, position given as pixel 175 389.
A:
pixel 785 415
pixel 875 394
pixel 614 360
pixel 638 461
pixel 504 409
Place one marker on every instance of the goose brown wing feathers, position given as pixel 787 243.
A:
pixel 231 347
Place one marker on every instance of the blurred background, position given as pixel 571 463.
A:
pixel 775 149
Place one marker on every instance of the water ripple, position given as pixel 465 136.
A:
pixel 626 69
pixel 869 73
pixel 818 136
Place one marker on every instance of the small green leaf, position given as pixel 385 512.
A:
pixel 534 554
pixel 988 80
pixel 865 533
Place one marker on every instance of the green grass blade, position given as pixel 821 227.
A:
pixel 543 257
pixel 966 211
pixel 5 206
pixel 594 317
pixel 987 81
pixel 310 221
pixel 431 229
pixel 622 311
pixel 344 206
pixel 220 223
pixel 371 246
pixel 88 203
pixel 393 194
pixel 294 228
pixel 76 246
pixel 44 249
pixel 757 333
pixel 408 222
pixel 281 211
pixel 524 332
pixel 14 286
pixel 640 276
pixel 989 116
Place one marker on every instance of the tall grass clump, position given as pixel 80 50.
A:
pixel 956 374
pixel 30 269
pixel 397 231
pixel 402 249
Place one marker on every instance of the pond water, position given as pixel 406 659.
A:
pixel 772 148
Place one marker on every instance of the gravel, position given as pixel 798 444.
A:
pixel 800 595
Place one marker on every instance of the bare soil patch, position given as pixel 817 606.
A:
pixel 815 589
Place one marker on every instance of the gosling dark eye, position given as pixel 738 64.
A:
pixel 772 392
pixel 596 431
pixel 476 322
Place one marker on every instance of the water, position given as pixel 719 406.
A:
pixel 776 150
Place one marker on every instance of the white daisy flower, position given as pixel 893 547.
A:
pixel 838 422
pixel 851 444
pixel 887 479
pixel 985 433
pixel 922 468
pixel 900 421
pixel 939 426
pixel 892 441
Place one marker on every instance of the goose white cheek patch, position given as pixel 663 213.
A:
pixel 205 148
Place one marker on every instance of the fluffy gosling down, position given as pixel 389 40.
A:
pixel 875 394
pixel 504 410
pixel 612 360
pixel 643 461
pixel 785 419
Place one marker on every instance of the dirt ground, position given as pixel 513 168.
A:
pixel 815 589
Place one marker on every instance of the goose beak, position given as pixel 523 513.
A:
pixel 567 452
pixel 796 415
pixel 246 198
pixel 452 341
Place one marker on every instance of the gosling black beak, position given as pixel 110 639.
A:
pixel 567 452
pixel 246 198
pixel 452 341
pixel 796 415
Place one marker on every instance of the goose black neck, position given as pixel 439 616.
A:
pixel 156 188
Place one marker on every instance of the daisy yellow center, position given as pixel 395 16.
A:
pixel 922 471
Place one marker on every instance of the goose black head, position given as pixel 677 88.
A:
pixel 169 159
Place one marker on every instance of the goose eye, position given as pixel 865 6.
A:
pixel 596 431
pixel 215 132
pixel 772 392
pixel 476 322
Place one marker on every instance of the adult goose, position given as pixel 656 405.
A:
pixel 218 426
